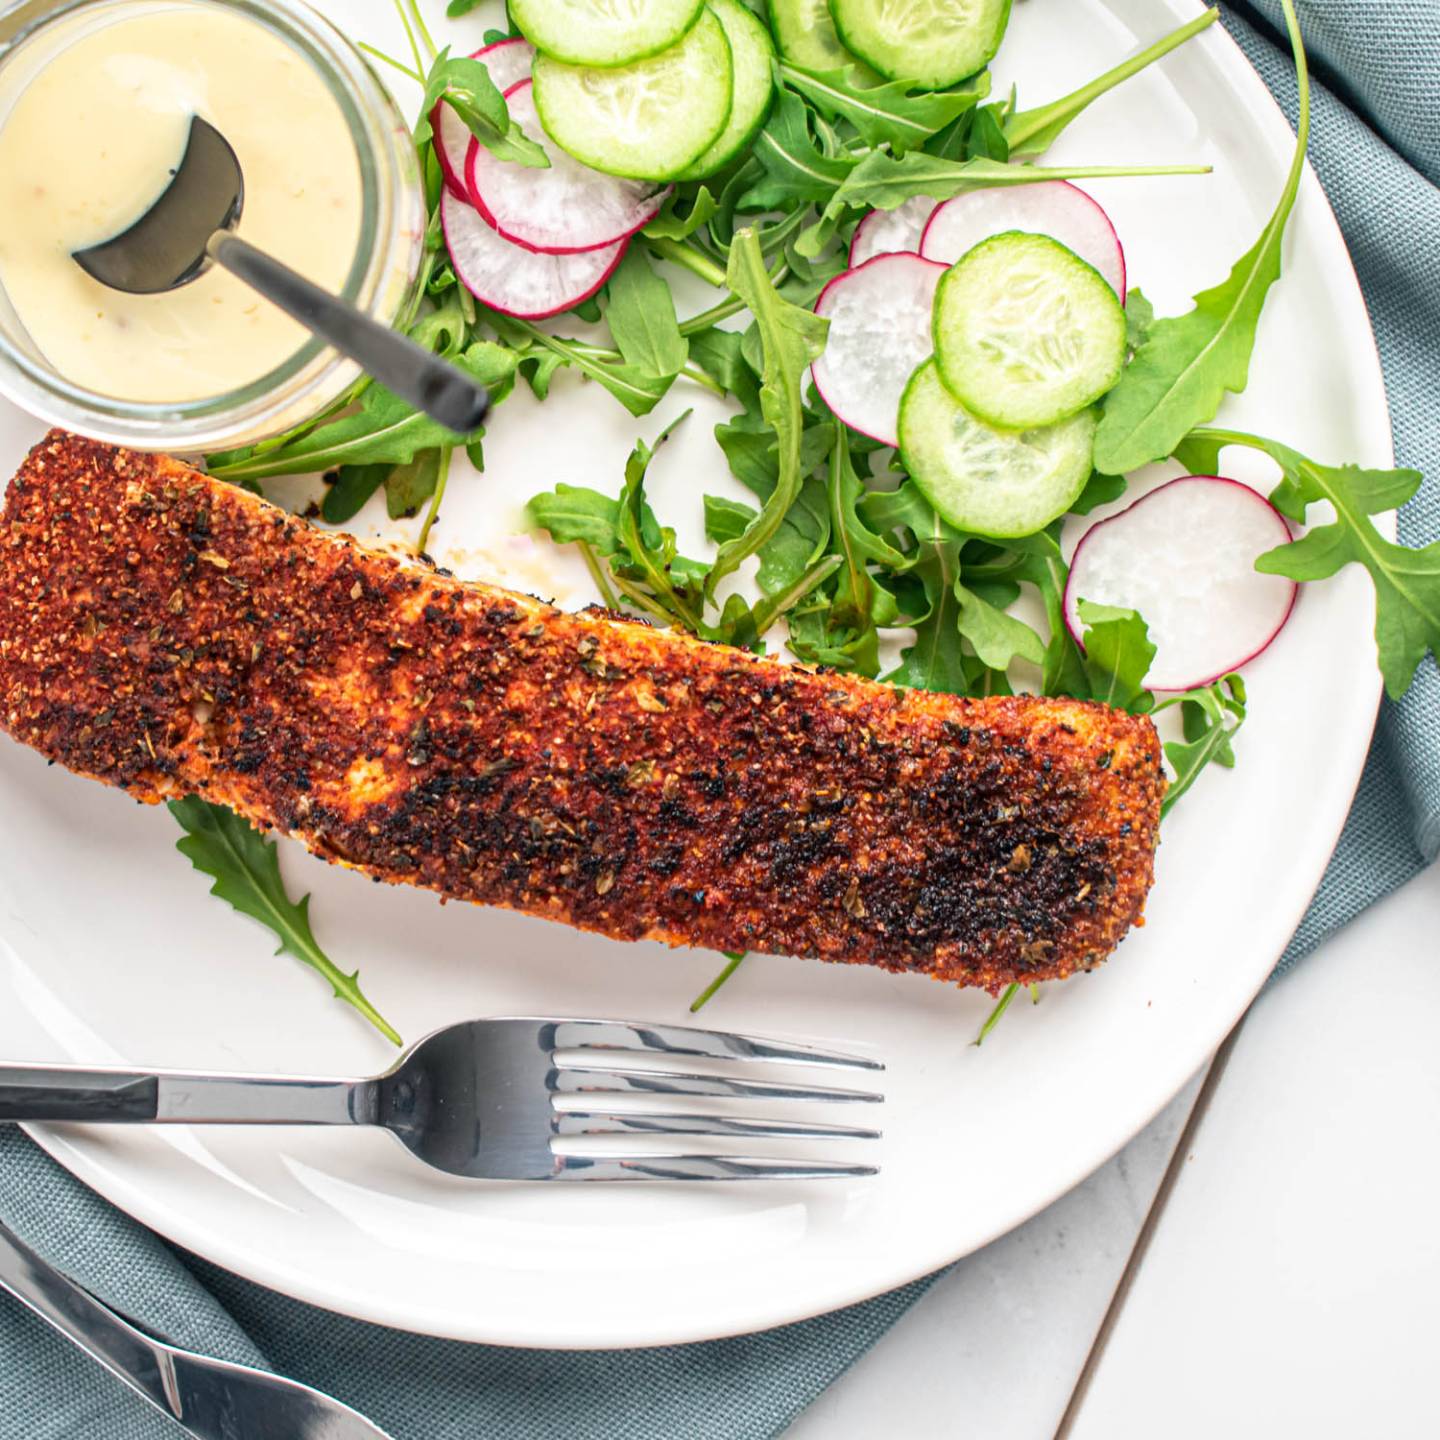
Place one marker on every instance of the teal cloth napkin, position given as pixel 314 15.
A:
pixel 1377 150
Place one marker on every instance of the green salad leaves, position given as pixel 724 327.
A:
pixel 245 867
pixel 1183 366
pixel 1407 582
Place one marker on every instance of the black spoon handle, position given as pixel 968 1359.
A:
pixel 441 390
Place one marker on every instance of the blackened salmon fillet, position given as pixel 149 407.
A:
pixel 171 634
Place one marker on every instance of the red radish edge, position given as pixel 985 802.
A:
pixel 876 217
pixel 888 255
pixel 471 192
pixel 454 180
pixel 1070 599
pixel 570 302
pixel 1084 194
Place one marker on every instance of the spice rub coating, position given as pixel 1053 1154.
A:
pixel 171 635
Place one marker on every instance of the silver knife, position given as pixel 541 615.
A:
pixel 213 1399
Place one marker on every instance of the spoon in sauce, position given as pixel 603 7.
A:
pixel 190 227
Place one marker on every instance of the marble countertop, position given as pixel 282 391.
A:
pixel 1294 1274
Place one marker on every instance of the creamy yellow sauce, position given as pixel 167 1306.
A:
pixel 88 146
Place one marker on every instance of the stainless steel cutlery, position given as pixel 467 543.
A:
pixel 507 1099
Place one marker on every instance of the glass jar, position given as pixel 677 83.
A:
pixel 382 278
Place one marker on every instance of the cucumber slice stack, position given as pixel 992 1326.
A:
pixel 648 120
pixel 649 89
pixel 752 60
pixel 612 33
pixel 984 480
pixel 997 429
pixel 931 43
pixel 1026 332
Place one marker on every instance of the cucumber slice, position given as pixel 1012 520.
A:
pixel 752 57
pixel 997 483
pixel 646 121
pixel 806 35
pixel 604 32
pixel 931 43
pixel 1026 332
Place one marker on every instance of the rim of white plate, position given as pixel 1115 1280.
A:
pixel 839 1293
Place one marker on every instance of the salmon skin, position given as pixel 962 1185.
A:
pixel 171 635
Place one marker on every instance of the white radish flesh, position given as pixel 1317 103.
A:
pixel 891 232
pixel 1055 208
pixel 879 318
pixel 560 211
pixel 512 279
pixel 1184 557
pixel 508 62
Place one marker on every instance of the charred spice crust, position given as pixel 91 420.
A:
pixel 170 634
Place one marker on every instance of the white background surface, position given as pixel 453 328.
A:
pixel 1293 1286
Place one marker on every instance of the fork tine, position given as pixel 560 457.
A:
pixel 621 1079
pixel 686 1040
pixel 590 1122
pixel 700 1167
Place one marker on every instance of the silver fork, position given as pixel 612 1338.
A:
pixel 479 1099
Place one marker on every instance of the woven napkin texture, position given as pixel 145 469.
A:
pixel 1377 151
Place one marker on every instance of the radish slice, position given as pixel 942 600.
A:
pixel 516 281
pixel 879 318
pixel 891 232
pixel 1184 557
pixel 508 62
pixel 560 211
pixel 1055 208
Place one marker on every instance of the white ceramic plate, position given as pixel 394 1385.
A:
pixel 111 950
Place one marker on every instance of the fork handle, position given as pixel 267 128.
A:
pixel 64 1092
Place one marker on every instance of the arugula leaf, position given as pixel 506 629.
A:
pixel 905 509
pixel 354 485
pixel 670 225
pixel 885 113
pixel 1118 655
pixel 634 387
pixel 1181 372
pixel 653 563
pixel 1099 490
pixel 794 168
pixel 383 430
pixel 936 660
pixel 641 316
pixel 855 595
pixel 1211 716
pixel 1139 317
pixel 720 353
pixel 408 487
pixel 1032 132
pixel 996 636
pixel 574 515
pixel 791 339
pixel 882 181
pixel 245 867
pixel 726 519
pixel 466 87
pixel 1407 582
pixel 983 139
